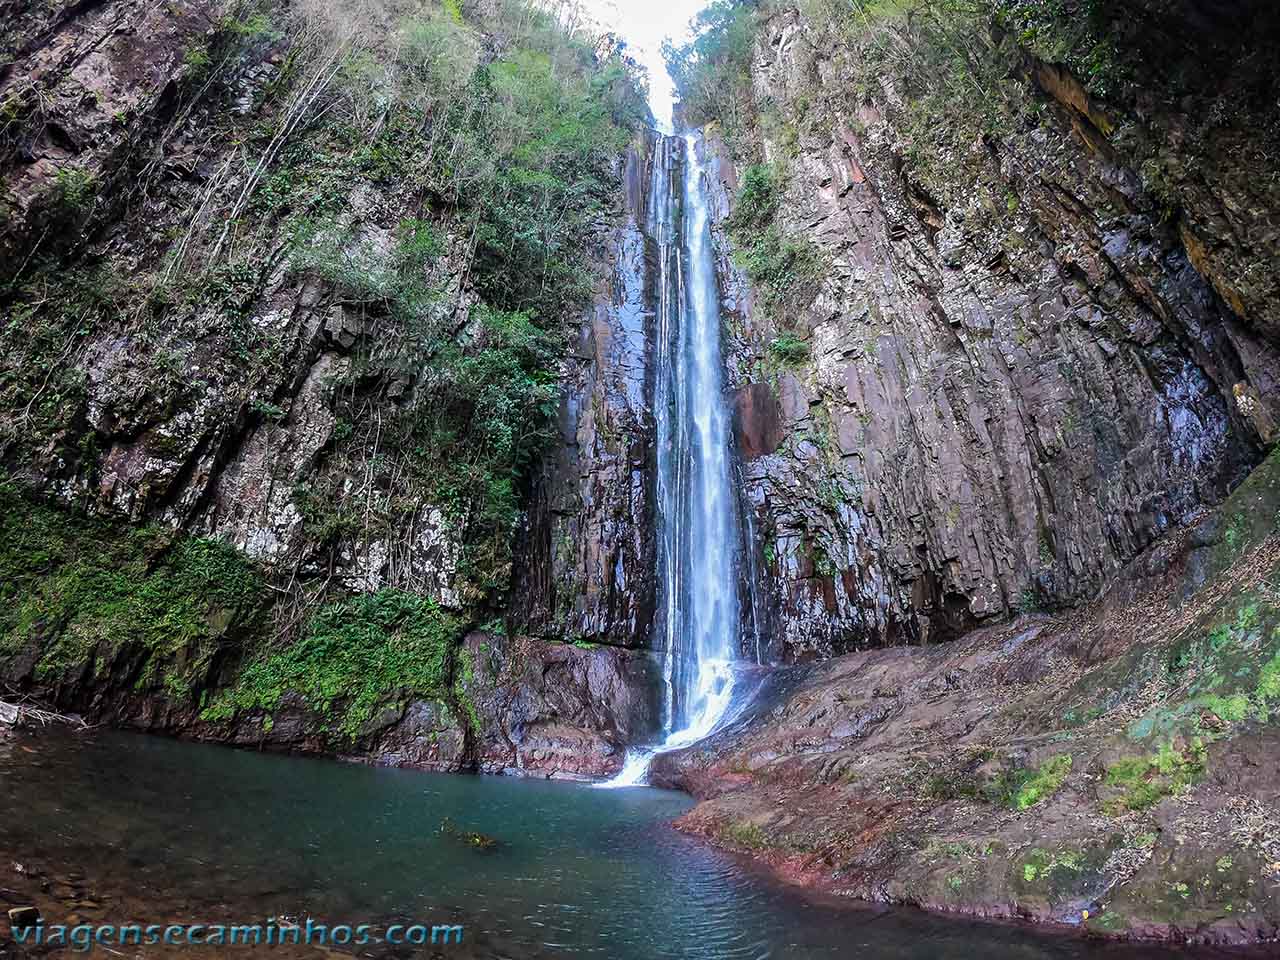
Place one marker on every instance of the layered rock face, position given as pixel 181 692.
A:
pixel 1113 769
pixel 1027 355
pixel 1004 340
pixel 587 556
pixel 242 302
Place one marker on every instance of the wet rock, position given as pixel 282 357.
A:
pixel 758 421
pixel 585 558
pixel 1000 407
pixel 555 709
pixel 23 918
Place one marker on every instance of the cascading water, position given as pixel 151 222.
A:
pixel 697 521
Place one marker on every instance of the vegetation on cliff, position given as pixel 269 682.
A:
pixel 354 239
pixel 506 164
pixel 93 604
pixel 88 598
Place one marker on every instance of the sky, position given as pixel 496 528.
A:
pixel 644 24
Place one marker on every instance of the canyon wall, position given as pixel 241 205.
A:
pixel 1031 328
pixel 587 554
pixel 333 288
pixel 1003 318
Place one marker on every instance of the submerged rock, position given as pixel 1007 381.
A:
pixel 472 838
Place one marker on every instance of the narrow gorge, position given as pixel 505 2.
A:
pixel 880 450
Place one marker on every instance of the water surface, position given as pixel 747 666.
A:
pixel 208 833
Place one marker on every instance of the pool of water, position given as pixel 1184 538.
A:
pixel 209 833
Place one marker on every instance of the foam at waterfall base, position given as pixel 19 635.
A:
pixel 715 687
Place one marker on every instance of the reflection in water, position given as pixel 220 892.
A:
pixel 211 833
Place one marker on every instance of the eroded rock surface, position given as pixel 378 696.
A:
pixel 1008 390
pixel 1115 768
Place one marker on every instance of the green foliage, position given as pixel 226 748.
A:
pixel 398 281
pixel 197 60
pixel 1073 32
pixel 85 590
pixel 438 50
pixel 490 415
pixel 40 394
pixel 355 655
pixel 713 70
pixel 517 153
pixel 784 270
pixel 1141 782
pixel 74 191
pixel 541 206
pixel 502 162
pixel 252 24
pixel 957 68
pixel 788 350
pixel 758 198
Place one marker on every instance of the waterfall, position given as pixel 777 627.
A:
pixel 698 531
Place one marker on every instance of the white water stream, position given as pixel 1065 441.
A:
pixel 698 527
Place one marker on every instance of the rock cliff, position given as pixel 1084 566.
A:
pixel 310 282
pixel 1004 344
pixel 327 377
pixel 1026 329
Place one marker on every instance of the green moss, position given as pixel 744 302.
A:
pixel 463 684
pixel 355 655
pixel 1055 872
pixel 1138 783
pixel 744 833
pixel 1230 672
pixel 1042 783
pixel 85 590
pixel 1268 690
pixel 1249 514
pixel 1109 921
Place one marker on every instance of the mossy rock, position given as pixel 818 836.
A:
pixel 83 595
pixel 1248 517
pixel 1062 877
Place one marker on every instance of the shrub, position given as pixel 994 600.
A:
pixel 74 190
pixel 355 655
pixel 784 270
pixel 788 350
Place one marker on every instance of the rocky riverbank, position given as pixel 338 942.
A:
pixel 1116 768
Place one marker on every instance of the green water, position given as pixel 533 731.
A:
pixel 204 832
